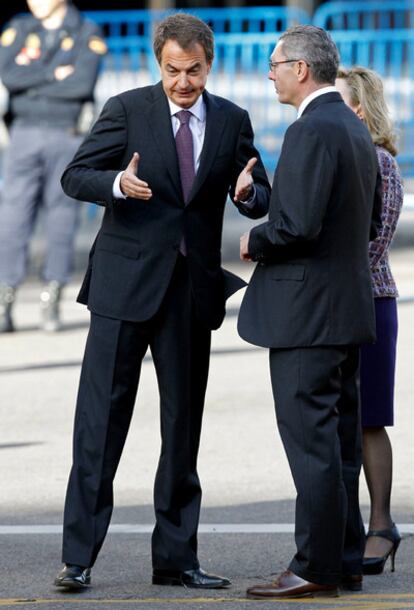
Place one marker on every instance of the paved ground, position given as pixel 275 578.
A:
pixel 246 480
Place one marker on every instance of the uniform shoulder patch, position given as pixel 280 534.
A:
pixel 97 45
pixel 32 46
pixel 8 37
pixel 33 41
pixel 67 43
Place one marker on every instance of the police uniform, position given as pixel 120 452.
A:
pixel 44 115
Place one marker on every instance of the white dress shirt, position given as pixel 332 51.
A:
pixel 198 129
pixel 314 95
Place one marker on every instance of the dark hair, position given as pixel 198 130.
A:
pixel 187 30
pixel 316 47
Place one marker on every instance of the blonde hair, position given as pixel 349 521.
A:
pixel 365 87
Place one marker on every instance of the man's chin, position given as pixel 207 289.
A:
pixel 185 101
pixel 40 15
pixel 281 99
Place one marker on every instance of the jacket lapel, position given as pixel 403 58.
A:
pixel 215 121
pixel 158 116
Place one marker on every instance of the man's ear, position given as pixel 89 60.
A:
pixel 302 70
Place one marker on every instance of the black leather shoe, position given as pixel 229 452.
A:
pixel 375 565
pixel 73 577
pixel 192 579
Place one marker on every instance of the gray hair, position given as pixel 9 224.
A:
pixel 315 46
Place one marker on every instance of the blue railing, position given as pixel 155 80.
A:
pixel 380 35
pixel 391 54
pixel 223 20
pixel 129 33
pixel 368 15
pixel 374 34
pixel 244 40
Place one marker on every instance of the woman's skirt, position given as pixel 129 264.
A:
pixel 378 367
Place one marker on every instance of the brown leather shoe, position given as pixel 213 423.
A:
pixel 290 585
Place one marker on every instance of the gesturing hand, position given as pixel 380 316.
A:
pixel 245 181
pixel 131 185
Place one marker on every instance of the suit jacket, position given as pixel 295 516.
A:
pixel 135 252
pixel 312 283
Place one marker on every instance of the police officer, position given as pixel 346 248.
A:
pixel 48 63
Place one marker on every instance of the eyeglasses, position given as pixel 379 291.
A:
pixel 274 64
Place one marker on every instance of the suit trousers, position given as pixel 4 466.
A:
pixel 180 347
pixel 316 393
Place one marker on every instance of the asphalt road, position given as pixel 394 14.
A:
pixel 248 502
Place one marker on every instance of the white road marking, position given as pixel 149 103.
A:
pixel 204 528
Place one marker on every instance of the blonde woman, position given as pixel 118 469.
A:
pixel 362 91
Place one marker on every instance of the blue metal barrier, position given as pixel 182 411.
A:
pixel 244 40
pixel 222 20
pixel 240 74
pixel 368 15
pixel 376 34
pixel 391 54
pixel 129 33
pixel 129 38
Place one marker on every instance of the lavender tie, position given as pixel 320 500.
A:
pixel 185 152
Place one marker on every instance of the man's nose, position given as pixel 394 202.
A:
pixel 183 80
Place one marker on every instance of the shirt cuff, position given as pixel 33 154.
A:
pixel 116 188
pixel 249 203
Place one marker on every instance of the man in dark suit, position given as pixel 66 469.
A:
pixel 162 160
pixel 310 302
